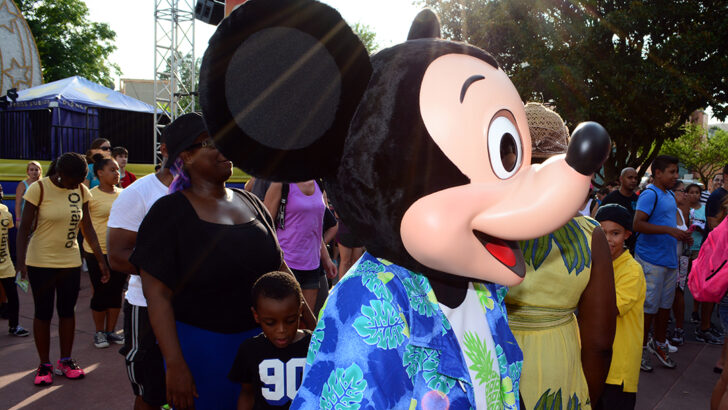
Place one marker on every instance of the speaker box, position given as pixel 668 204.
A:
pixel 210 11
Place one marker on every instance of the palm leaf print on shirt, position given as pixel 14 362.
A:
pixel 344 389
pixel 477 351
pixel 381 324
pixel 570 239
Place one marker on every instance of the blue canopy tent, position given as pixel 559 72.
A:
pixel 66 115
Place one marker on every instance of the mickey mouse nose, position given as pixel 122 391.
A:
pixel 589 147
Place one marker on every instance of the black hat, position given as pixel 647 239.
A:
pixel 615 213
pixel 181 134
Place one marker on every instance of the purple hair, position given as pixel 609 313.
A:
pixel 181 179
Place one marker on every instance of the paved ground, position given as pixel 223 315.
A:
pixel 106 386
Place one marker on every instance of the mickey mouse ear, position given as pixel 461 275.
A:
pixel 279 84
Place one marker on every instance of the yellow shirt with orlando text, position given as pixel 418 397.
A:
pixel 99 209
pixel 7 270
pixel 53 243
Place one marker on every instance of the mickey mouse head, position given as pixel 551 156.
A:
pixel 424 149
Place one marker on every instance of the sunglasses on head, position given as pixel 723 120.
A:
pixel 208 143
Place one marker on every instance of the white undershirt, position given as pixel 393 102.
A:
pixel 469 318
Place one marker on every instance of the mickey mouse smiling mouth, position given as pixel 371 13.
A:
pixel 464 230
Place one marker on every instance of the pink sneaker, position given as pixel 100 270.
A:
pixel 70 369
pixel 44 375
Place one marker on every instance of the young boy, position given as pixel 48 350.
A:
pixel 269 366
pixel 656 220
pixel 121 155
pixel 620 391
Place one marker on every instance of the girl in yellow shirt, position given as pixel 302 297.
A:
pixel 7 272
pixel 51 260
pixel 106 300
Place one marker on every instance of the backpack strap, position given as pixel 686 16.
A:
pixel 281 216
pixel 257 206
pixel 40 199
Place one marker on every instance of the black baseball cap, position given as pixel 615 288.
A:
pixel 615 213
pixel 181 134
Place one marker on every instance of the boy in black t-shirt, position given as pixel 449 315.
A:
pixel 270 366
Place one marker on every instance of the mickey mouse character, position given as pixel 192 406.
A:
pixel 424 150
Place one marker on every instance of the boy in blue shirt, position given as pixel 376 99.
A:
pixel 656 221
pixel 269 366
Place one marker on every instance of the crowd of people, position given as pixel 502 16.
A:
pixel 221 285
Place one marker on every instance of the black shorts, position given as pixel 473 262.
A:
pixel 308 279
pixel 59 284
pixel 614 397
pixel 144 360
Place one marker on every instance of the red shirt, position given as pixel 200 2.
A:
pixel 127 179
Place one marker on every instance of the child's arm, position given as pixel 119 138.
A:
pixel 247 397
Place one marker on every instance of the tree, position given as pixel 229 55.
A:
pixel 699 152
pixel 68 43
pixel 640 68
pixel 187 83
pixel 367 36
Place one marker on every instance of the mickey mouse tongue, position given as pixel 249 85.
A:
pixel 506 252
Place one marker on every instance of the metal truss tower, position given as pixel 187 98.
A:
pixel 174 63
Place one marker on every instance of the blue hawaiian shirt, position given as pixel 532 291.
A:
pixel 382 342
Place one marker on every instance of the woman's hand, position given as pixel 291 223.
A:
pixel 105 272
pixel 23 269
pixel 329 268
pixel 181 390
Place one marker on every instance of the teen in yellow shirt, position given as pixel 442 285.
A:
pixel 620 391
pixel 106 300
pixel 51 261
pixel 7 272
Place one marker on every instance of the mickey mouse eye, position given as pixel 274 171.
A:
pixel 504 145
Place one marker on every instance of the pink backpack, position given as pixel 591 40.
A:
pixel 708 280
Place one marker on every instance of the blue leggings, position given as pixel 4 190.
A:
pixel 209 356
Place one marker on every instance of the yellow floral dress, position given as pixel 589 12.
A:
pixel 541 316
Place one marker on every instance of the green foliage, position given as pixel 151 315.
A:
pixel 68 43
pixel 187 83
pixel 344 389
pixel 380 324
pixel 367 36
pixel 638 68
pixel 700 152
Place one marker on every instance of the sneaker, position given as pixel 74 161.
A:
pixel 670 348
pixel 18 331
pixel 112 337
pixel 706 336
pixel 70 369
pixel 661 354
pixel 678 337
pixel 718 332
pixel 695 318
pixel 646 365
pixel 44 375
pixel 100 340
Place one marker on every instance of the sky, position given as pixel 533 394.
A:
pixel 133 22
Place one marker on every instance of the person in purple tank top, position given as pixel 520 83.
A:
pixel 301 234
